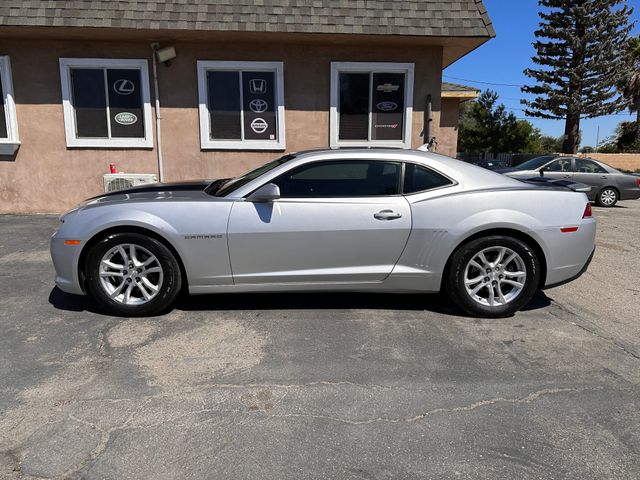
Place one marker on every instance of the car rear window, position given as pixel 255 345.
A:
pixel 419 179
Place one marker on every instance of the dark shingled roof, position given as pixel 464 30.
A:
pixel 447 18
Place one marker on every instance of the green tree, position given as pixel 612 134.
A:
pixel 580 49
pixel 630 83
pixel 622 141
pixel 549 144
pixel 485 126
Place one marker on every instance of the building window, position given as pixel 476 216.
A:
pixel 106 103
pixel 9 141
pixel 371 104
pixel 241 105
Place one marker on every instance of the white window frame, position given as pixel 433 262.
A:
pixel 9 145
pixel 370 68
pixel 66 64
pixel 206 143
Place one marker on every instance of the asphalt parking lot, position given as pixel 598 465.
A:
pixel 346 386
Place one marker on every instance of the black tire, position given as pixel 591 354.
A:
pixel 607 197
pixel 167 292
pixel 455 279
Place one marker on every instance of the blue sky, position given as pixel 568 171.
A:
pixel 503 59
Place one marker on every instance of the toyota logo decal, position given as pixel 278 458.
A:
pixel 124 87
pixel 258 105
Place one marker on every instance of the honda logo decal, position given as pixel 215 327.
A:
pixel 258 86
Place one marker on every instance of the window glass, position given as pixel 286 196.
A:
pixel 418 179
pixel 372 103
pixel 560 165
pixel 114 110
pixel 125 103
pixel 89 102
pixel 354 106
pixel 235 183
pixel 3 114
pixel 242 104
pixel 387 106
pixel 588 166
pixel 534 163
pixel 353 178
pixel 258 93
pixel 224 105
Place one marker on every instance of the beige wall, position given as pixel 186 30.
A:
pixel 624 161
pixel 46 176
pixel 448 136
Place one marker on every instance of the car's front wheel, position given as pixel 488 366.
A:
pixel 493 276
pixel 131 274
pixel 607 197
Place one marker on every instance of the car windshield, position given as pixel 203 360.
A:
pixel 535 163
pixel 222 188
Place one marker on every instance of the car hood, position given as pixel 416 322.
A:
pixel 154 188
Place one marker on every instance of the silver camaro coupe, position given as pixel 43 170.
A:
pixel 334 220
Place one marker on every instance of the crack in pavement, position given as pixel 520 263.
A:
pixel 480 404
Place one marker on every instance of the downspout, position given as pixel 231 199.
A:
pixel 154 47
pixel 428 119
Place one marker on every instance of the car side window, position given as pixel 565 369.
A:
pixel 559 165
pixel 345 178
pixel 588 166
pixel 418 179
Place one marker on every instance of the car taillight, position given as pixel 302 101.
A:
pixel 587 211
pixel 638 181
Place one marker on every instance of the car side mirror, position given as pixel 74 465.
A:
pixel 266 193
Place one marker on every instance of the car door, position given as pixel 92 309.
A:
pixel 560 169
pixel 335 221
pixel 589 172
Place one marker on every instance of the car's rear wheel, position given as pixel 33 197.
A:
pixel 493 276
pixel 607 197
pixel 131 274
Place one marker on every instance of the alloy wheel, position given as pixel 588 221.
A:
pixel 130 274
pixel 495 276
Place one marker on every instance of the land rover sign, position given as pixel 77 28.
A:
pixel 126 118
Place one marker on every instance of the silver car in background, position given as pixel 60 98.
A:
pixel 608 185
pixel 329 220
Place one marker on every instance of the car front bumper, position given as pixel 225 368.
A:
pixel 65 261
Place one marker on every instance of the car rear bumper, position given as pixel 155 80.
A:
pixel 577 275
pixel 568 252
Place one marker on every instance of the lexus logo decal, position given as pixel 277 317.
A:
pixel 124 87
pixel 258 105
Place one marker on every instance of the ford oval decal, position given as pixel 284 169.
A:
pixel 387 106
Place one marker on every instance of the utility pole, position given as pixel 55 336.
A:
pixel 597 138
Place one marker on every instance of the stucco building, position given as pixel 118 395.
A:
pixel 247 80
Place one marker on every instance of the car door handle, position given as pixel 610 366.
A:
pixel 603 176
pixel 387 215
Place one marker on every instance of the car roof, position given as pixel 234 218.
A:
pixel 467 175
